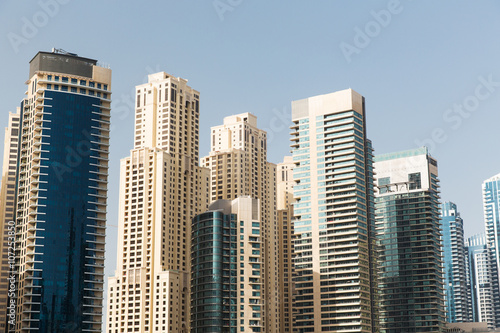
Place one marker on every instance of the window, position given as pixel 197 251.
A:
pixel 382 182
pixel 415 181
pixel 83 82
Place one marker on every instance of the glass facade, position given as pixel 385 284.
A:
pixel 454 255
pixel 491 207
pixel 480 301
pixel 61 208
pixel 66 265
pixel 333 216
pixel 410 261
pixel 227 257
pixel 213 273
pixel 409 244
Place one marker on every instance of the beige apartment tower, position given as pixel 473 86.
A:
pixel 284 185
pixel 162 188
pixel 333 215
pixel 239 167
pixel 7 207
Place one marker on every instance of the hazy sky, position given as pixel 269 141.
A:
pixel 429 71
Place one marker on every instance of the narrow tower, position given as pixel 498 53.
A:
pixel 409 239
pixel 239 167
pixel 161 189
pixel 286 253
pixel 227 268
pixel 454 255
pixel 491 207
pixel 479 288
pixel 62 194
pixel 7 221
pixel 333 215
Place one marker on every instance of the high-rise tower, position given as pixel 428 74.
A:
pixel 409 242
pixel 454 255
pixel 491 207
pixel 239 167
pixel 227 268
pixel 286 253
pixel 7 208
pixel 479 280
pixel 162 188
pixel 333 223
pixel 62 194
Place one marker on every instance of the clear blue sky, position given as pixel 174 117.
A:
pixel 258 56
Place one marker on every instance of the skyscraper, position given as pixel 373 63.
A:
pixel 333 215
pixel 480 292
pixel 491 207
pixel 7 208
pixel 227 268
pixel 409 239
pixel 162 188
pixel 62 194
pixel 286 253
pixel 454 256
pixel 239 167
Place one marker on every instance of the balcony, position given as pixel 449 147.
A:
pixel 100 173
pixel 96 242
pixel 98 203
pixel 99 196
pixel 102 211
pixel 102 181
pixel 95 265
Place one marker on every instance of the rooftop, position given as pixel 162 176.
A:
pixel 64 63
pixel 401 154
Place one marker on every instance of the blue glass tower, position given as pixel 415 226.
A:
pixel 454 254
pixel 227 276
pixel 479 281
pixel 213 281
pixel 61 195
pixel 491 207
